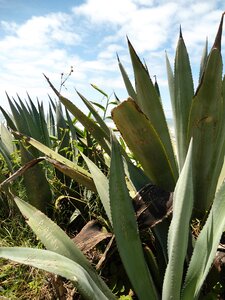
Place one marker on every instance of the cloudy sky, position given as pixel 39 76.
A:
pixel 51 36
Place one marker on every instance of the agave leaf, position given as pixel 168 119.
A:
pixel 102 185
pixel 63 164
pixel 221 177
pixel 7 139
pixel 29 121
pixel 205 247
pixel 99 90
pixel 55 239
pixel 41 118
pixel 63 138
pixel 207 124
pixel 25 117
pixel 20 121
pixel 161 233
pixel 34 179
pixel 74 135
pixel 179 231
pixel 6 155
pixel 98 105
pixel 57 264
pixel 8 118
pixel 184 92
pixel 153 266
pixel 150 103
pixel 52 102
pixel 135 175
pixel 60 121
pixel 130 90
pixel 144 142
pixel 203 60
pixel 126 230
pixel 71 126
pixel 97 132
pixel 170 77
pixel 51 122
pixel 97 117
pixel 222 173
pixel 37 187
pixel 156 86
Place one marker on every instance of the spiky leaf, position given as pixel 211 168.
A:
pixel 126 230
pixel 145 143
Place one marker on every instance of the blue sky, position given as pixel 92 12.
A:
pixel 51 36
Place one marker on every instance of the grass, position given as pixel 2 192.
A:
pixel 20 281
pixel 25 282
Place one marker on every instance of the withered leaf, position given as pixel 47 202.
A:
pixel 90 235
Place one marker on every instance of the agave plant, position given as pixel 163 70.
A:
pixel 54 130
pixel 30 120
pixel 174 263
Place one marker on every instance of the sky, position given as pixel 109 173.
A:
pixel 51 36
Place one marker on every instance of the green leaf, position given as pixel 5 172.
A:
pixel 62 132
pixel 98 105
pixel 184 92
pixel 205 247
pixel 97 117
pixel 170 77
pixel 130 90
pixel 30 121
pixel 9 119
pixel 126 230
pixel 145 143
pixel 57 264
pixel 222 150
pixel 179 231
pixel 7 138
pixel 63 164
pixel 135 175
pixel 97 132
pixel 55 239
pixel 71 126
pixel 102 185
pixel 6 155
pixel 51 122
pixel 38 116
pixel 206 125
pixel 99 90
pixel 203 60
pixel 150 103
pixel 156 86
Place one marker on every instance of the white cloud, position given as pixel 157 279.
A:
pixel 110 51
pixel 144 2
pixel 115 12
pixel 152 24
pixel 9 27
pixel 34 47
pixel 42 31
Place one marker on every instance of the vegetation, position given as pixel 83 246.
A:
pixel 141 223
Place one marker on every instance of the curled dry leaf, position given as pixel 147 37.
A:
pixel 90 235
